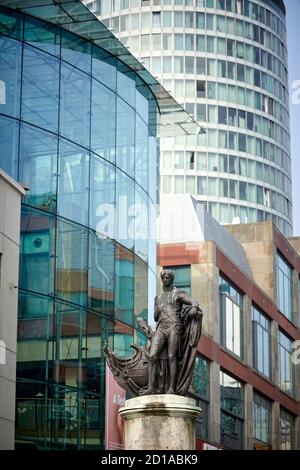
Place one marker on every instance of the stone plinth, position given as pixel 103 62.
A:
pixel 160 422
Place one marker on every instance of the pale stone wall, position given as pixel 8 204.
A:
pixel 10 199
pixel 257 241
pixel 204 288
pixel 295 242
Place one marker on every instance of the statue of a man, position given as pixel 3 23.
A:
pixel 178 330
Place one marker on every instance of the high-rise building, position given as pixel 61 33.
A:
pixel 226 62
pixel 78 126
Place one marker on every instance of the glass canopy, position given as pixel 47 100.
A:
pixel 76 17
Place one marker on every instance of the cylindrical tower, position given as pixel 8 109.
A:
pixel 226 62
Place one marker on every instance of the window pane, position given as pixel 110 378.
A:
pixel 103 125
pixel 72 262
pixel 38 167
pixel 40 89
pixel 37 251
pixel 75 100
pixel 73 182
pixel 9 131
pixel 10 73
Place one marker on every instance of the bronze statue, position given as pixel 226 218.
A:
pixel 165 364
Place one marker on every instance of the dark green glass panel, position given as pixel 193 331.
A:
pixel 11 23
pixel 42 35
pixel 37 251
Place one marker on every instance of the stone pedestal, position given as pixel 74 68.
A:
pixel 160 422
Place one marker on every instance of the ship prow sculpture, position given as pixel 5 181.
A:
pixel 165 363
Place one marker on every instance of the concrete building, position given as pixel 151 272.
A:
pixel 226 62
pixel 246 278
pixel 10 212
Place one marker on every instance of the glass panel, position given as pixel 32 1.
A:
pixel 9 131
pixel 11 23
pixel 10 73
pixel 76 51
pixel 103 125
pixel 37 251
pixel 141 153
pixel 40 89
pixel 38 167
pixel 126 84
pixel 73 182
pixel 75 105
pixel 102 196
pixel 141 223
pixel 124 286
pixel 42 35
pixel 71 267
pixel 101 274
pixel 140 289
pixel 124 222
pixel 125 137
pixel 104 67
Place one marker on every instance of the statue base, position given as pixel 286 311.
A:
pixel 160 422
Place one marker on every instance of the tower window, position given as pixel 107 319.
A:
pixel 201 88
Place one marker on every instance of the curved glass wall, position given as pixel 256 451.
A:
pixel 74 128
pixel 226 62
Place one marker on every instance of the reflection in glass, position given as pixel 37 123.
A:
pixel 124 285
pixel 9 131
pixel 71 267
pixel 101 274
pixel 47 39
pixel 141 153
pixel 102 196
pixel 40 89
pixel 38 167
pixel 103 126
pixel 75 105
pixel 124 217
pixel 10 73
pixel 125 137
pixel 73 182
pixel 76 51
pixel 104 67
pixel 140 289
pixel 37 249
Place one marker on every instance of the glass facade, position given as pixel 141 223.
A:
pixel 287 430
pixel 226 62
pixel 286 366
pixel 262 412
pixel 75 128
pixel 261 331
pixel 232 412
pixel 199 390
pixel 231 321
pixel 284 276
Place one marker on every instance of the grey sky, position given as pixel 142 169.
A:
pixel 293 20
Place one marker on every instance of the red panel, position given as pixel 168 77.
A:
pixel 176 255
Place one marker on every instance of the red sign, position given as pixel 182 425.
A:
pixel 114 399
